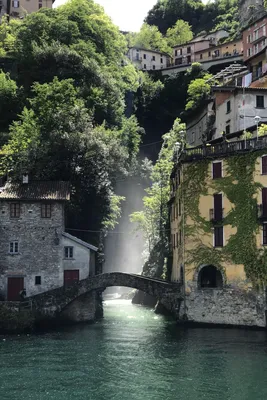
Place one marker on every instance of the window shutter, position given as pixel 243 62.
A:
pixel 217 170
pixel 264 165
pixel 264 231
pixel 264 202
pixel 218 207
pixel 218 236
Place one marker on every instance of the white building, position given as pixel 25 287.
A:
pixel 145 59
pixel 236 108
pixel 199 124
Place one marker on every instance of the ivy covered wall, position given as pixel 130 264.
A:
pixel 243 257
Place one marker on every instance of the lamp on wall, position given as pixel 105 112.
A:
pixel 257 120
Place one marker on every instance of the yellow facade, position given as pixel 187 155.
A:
pixel 234 274
pixel 224 50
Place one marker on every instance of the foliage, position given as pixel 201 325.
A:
pixel 208 17
pixel 9 103
pixel 240 188
pixel 7 36
pixel 152 220
pixel 180 33
pixel 55 139
pixel 197 91
pixel 262 130
pixel 149 37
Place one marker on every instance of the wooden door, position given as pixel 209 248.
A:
pixel 71 276
pixel 14 286
pixel 218 207
pixel 264 202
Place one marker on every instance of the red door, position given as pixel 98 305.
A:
pixel 71 276
pixel 14 286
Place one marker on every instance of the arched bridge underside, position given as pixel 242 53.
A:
pixel 54 301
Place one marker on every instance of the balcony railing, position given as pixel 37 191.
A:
pixel 216 217
pixel 223 149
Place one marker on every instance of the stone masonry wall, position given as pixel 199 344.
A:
pixel 233 306
pixel 39 252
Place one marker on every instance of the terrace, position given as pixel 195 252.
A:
pixel 223 149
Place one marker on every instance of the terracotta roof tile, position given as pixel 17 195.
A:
pixel 36 190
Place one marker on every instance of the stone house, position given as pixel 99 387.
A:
pixel 218 210
pixel 19 8
pixel 147 60
pixel 35 251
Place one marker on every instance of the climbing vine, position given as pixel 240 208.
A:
pixel 240 188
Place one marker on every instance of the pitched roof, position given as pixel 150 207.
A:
pixel 79 241
pixel 36 190
pixel 149 50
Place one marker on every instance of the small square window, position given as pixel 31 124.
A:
pixel 38 280
pixel 260 101
pixel 144 66
pixel 227 129
pixel 68 252
pixel 161 60
pixel 154 67
pixel 14 210
pixel 14 247
pixel 201 56
pixel 46 210
pixel 153 58
pixel 188 50
pixel 144 56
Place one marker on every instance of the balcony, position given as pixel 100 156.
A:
pixel 216 217
pixel 260 37
pixel 223 149
pixel 262 213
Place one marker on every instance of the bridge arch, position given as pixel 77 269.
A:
pixel 55 301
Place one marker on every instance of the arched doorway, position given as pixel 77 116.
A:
pixel 210 277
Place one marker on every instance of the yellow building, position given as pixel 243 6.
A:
pixel 227 49
pixel 219 231
pixel 20 8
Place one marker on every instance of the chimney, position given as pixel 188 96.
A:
pixel 25 178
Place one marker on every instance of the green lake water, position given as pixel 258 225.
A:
pixel 133 354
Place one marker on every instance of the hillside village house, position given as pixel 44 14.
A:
pixel 187 53
pixel 255 47
pixel 19 8
pixel 229 110
pixel 211 256
pixel 145 59
pixel 35 251
pixel 227 49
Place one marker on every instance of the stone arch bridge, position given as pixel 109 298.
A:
pixel 54 302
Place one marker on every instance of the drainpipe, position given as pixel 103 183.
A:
pixel 183 211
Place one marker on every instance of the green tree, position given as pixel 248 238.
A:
pixel 9 104
pixel 153 220
pixel 179 33
pixel 149 37
pixel 197 91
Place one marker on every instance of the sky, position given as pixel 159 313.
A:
pixel 127 15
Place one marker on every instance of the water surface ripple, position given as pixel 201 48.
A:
pixel 134 355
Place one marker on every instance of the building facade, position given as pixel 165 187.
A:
pixel 237 107
pixel 35 252
pixel 200 123
pixel 228 49
pixel 185 53
pixel 219 232
pixel 20 8
pixel 147 60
